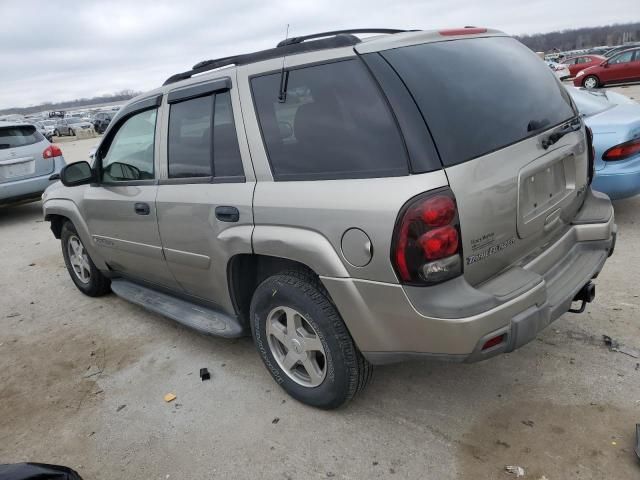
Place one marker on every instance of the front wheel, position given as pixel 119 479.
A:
pixel 304 343
pixel 56 133
pixel 81 268
pixel 71 132
pixel 591 82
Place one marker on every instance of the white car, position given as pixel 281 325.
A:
pixel 561 70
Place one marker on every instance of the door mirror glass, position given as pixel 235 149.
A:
pixel 121 172
pixel 78 173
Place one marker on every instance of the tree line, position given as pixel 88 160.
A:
pixel 72 104
pixel 587 37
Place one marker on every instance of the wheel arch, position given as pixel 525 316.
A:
pixel 57 211
pixel 245 271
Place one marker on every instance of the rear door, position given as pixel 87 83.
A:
pixel 121 210
pixel 21 148
pixel 204 201
pixel 513 148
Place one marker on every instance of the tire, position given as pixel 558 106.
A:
pixel 91 281
pixel 56 133
pixel 324 343
pixel 71 132
pixel 591 81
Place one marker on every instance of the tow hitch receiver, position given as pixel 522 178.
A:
pixel 586 295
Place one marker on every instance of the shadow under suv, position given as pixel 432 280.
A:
pixel 347 202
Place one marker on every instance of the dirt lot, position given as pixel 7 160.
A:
pixel 82 381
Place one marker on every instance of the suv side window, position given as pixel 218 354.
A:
pixel 202 138
pixel 333 124
pixel 130 152
pixel 190 138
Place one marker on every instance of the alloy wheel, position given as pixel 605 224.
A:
pixel 79 259
pixel 296 346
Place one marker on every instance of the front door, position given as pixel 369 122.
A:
pixel 619 67
pixel 121 209
pixel 205 202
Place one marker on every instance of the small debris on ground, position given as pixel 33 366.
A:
pixel 204 374
pixel 170 397
pixel 515 470
pixel 528 423
pixel 14 314
pixel 32 264
pixel 121 407
pixel 614 346
pixel 275 420
pixel 331 474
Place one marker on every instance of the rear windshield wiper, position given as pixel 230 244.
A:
pixel 571 126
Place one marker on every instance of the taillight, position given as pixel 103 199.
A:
pixel 622 151
pixel 51 151
pixel 426 243
pixel 592 155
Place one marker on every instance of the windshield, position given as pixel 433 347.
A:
pixel 74 120
pixel 589 103
pixel 480 94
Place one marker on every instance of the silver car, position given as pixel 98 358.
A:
pixel 27 160
pixel 70 126
pixel 347 202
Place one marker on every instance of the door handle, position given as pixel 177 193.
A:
pixel 142 208
pixel 227 214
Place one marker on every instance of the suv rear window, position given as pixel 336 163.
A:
pixel 12 137
pixel 482 94
pixel 333 124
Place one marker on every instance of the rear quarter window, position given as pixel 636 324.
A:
pixel 19 136
pixel 481 94
pixel 333 124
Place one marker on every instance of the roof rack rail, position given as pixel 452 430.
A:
pixel 294 40
pixel 335 39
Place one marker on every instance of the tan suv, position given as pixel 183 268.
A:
pixel 346 201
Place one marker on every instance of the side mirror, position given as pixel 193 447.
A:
pixel 605 64
pixel 78 173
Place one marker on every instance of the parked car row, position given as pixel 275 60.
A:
pixel 622 67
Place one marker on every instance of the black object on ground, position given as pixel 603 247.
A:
pixel 204 374
pixel 615 346
pixel 37 471
pixel 637 447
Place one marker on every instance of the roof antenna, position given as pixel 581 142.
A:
pixel 284 77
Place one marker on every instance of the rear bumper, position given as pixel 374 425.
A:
pixel 390 323
pixel 28 188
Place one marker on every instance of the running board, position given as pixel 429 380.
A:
pixel 202 319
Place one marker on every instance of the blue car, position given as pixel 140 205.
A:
pixel 615 122
pixel 27 161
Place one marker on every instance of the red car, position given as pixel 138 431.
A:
pixel 620 68
pixel 581 62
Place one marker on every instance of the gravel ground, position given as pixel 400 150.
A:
pixel 82 383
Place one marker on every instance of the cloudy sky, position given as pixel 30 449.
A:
pixel 61 50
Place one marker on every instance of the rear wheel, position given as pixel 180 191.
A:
pixel 591 82
pixel 304 343
pixel 83 272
